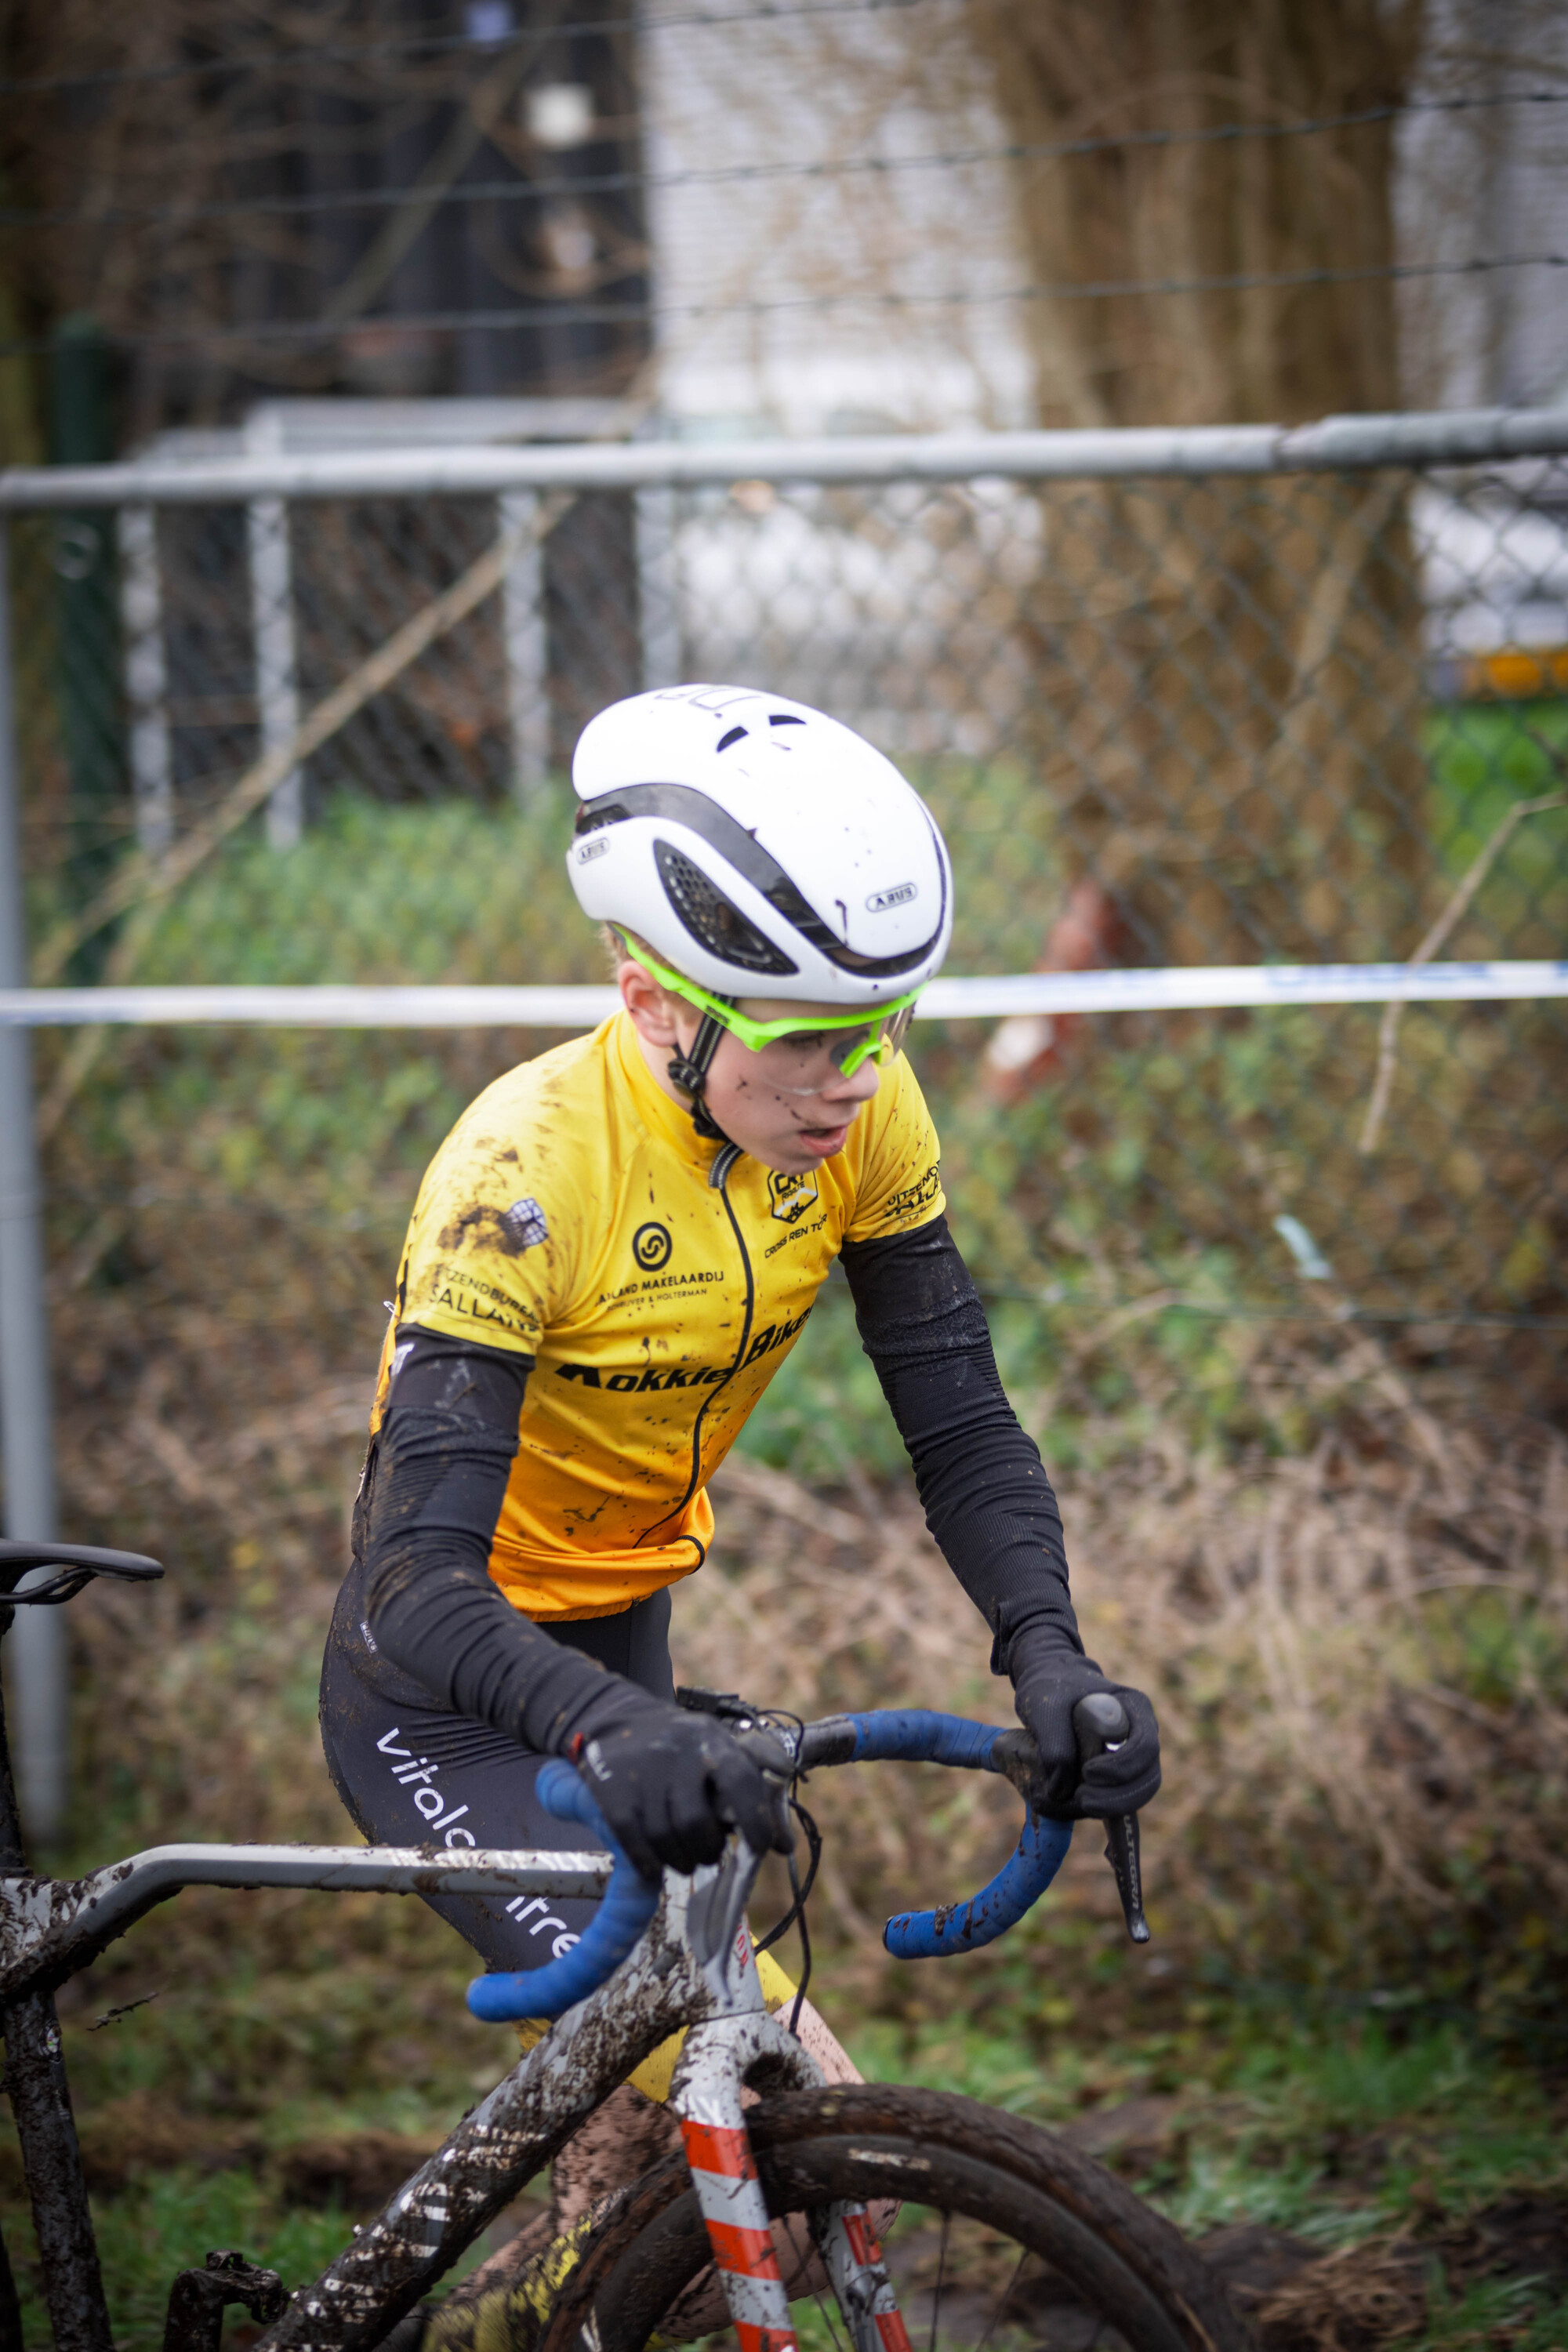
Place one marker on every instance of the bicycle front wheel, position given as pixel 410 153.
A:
pixel 1006 2238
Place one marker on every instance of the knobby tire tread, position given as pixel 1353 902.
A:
pixel 932 2147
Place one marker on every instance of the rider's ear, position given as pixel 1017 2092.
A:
pixel 655 1009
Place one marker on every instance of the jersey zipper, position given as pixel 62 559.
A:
pixel 717 1179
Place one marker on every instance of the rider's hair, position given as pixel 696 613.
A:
pixel 617 941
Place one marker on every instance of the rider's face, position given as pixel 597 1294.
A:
pixel 789 1106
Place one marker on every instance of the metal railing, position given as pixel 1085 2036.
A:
pixel 1188 702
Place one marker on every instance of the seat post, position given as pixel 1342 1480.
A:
pixel 51 2156
pixel 13 1853
pixel 12 1859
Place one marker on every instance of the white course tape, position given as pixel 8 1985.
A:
pixel 327 1007
pixel 1196 988
pixel 1208 987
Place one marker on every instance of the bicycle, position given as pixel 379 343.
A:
pixel 767 2203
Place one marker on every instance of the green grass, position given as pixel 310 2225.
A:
pixel 440 892
pixel 1485 758
pixel 1331 2129
pixel 170 2222
pixel 1515 2313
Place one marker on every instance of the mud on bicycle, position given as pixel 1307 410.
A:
pixel 1004 2237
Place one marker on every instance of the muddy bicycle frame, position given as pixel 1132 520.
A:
pixel 691 1965
pixel 50 1929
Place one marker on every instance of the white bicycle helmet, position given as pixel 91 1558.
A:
pixel 760 848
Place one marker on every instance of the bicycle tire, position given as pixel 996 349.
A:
pixel 1097 2247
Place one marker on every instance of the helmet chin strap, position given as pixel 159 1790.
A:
pixel 689 1073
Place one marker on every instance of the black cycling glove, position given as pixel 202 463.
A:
pixel 1048 1682
pixel 671 1787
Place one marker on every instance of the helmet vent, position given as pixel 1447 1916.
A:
pixel 592 815
pixel 682 804
pixel 784 718
pixel 733 737
pixel 712 919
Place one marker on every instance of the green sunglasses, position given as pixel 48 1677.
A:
pixel 881 1036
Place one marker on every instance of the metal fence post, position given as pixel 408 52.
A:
pixel 146 679
pixel 38 1644
pixel 658 605
pixel 272 625
pixel 87 688
pixel 526 651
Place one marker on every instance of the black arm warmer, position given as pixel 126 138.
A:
pixel 436 1482
pixel 987 1499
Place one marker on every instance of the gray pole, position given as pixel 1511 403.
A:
pixel 38 1643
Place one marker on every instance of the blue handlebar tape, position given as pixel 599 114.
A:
pixel 916 1735
pixel 630 1902
pixel 965 1926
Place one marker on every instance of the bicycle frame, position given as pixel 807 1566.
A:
pixel 51 1928
pixel 694 1968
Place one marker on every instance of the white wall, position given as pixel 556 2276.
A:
pixel 890 84
pixel 898 81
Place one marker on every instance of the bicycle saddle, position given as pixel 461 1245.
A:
pixel 78 1564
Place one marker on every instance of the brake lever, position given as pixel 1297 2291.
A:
pixel 1099 1721
pixel 745 1723
pixel 727 1705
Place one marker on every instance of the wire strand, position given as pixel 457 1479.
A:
pixel 432 44
pixel 519 191
pixel 558 314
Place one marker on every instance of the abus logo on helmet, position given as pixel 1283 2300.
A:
pixel 899 896
pixel 595 846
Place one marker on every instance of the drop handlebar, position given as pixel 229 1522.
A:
pixel 913 1735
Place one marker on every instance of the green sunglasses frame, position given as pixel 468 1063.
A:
pixel 758 1033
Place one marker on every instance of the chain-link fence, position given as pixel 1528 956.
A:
pixel 1219 711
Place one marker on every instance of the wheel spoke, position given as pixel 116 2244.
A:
pixel 824 2304
pixel 1003 2300
pixel 940 2276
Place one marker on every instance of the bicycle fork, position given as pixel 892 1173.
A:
pixel 706 2099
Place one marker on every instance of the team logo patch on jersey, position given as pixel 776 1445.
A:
pixel 651 1246
pixel 918 1195
pixel 524 1224
pixel 790 1196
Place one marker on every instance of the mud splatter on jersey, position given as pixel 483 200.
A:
pixel 570 1216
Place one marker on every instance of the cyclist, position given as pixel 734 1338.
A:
pixel 608 1259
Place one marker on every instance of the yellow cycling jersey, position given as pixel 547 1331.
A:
pixel 571 1215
